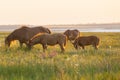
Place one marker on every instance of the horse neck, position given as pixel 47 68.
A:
pixel 35 41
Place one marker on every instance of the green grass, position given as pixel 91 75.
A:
pixel 103 64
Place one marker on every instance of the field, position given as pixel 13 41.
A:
pixel 21 64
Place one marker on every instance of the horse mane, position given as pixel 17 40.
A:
pixel 24 26
pixel 37 35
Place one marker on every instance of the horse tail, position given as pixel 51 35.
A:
pixel 49 31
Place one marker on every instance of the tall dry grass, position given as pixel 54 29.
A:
pixel 21 64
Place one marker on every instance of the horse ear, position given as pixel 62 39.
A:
pixel 67 32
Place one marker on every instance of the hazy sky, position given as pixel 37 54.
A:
pixel 42 12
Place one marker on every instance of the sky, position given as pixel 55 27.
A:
pixel 45 12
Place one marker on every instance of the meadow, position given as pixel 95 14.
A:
pixel 21 64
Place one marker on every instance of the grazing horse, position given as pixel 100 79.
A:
pixel 72 34
pixel 48 39
pixel 24 33
pixel 86 40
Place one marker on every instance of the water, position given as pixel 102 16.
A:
pixel 62 29
pixel 86 30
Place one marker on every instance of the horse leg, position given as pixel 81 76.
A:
pixel 21 43
pixel 95 46
pixel 77 47
pixel 44 47
pixel 29 46
pixel 62 48
pixel 83 47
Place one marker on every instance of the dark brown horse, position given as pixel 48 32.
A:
pixel 86 40
pixel 72 34
pixel 48 39
pixel 24 34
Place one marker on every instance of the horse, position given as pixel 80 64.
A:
pixel 86 40
pixel 48 39
pixel 72 34
pixel 24 33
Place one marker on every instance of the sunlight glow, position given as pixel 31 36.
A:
pixel 59 11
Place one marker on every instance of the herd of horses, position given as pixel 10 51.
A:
pixel 42 35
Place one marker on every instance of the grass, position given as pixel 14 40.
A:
pixel 89 64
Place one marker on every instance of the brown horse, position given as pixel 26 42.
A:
pixel 86 40
pixel 72 34
pixel 48 39
pixel 24 34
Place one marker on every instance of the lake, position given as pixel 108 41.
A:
pixel 62 29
